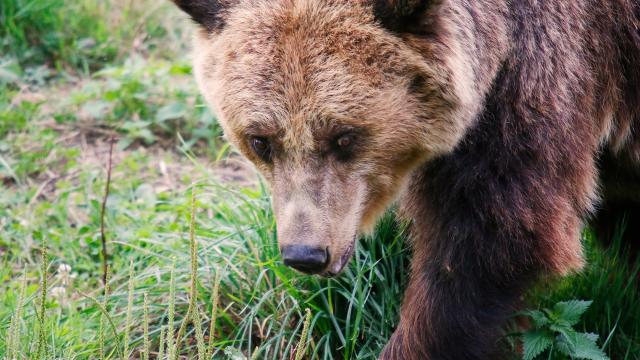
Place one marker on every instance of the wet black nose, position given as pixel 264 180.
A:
pixel 305 258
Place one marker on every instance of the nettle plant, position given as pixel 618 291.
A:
pixel 553 336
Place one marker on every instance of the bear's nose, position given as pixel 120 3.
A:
pixel 304 258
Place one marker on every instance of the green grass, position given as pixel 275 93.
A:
pixel 73 76
pixel 84 35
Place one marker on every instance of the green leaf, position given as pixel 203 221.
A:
pixel 563 329
pixel 539 318
pixel 571 311
pixel 535 342
pixel 586 348
pixel 562 344
pixel 580 346
pixel 592 336
pixel 171 111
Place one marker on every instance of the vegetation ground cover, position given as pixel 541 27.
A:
pixel 77 76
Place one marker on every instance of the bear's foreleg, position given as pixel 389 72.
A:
pixel 488 219
pixel 472 263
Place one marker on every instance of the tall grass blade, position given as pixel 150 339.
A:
pixel 171 346
pixel 146 342
pixel 214 313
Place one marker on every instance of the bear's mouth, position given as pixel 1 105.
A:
pixel 337 268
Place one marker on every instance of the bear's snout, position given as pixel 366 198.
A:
pixel 307 259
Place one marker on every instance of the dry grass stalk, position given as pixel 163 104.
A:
pixel 302 345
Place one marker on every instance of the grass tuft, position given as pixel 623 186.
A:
pixel 13 338
pixel 102 311
pixel 192 311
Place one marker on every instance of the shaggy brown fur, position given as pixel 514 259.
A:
pixel 488 117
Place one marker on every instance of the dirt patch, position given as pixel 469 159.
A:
pixel 159 167
pixel 172 167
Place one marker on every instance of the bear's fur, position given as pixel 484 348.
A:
pixel 500 125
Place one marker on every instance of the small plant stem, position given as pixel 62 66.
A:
pixel 128 320
pixel 146 344
pixel 42 339
pixel 172 308
pixel 102 317
pixel 103 238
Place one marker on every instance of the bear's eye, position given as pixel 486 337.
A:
pixel 261 147
pixel 344 141
pixel 343 145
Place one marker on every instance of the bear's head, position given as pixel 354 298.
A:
pixel 336 102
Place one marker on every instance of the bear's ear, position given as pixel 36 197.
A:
pixel 402 15
pixel 207 13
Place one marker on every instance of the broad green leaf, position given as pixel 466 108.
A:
pixel 535 342
pixel 571 311
pixel 586 348
pixel 580 346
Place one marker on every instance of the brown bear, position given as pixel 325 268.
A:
pixel 498 126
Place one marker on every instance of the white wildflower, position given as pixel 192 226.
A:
pixel 64 274
pixel 64 268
